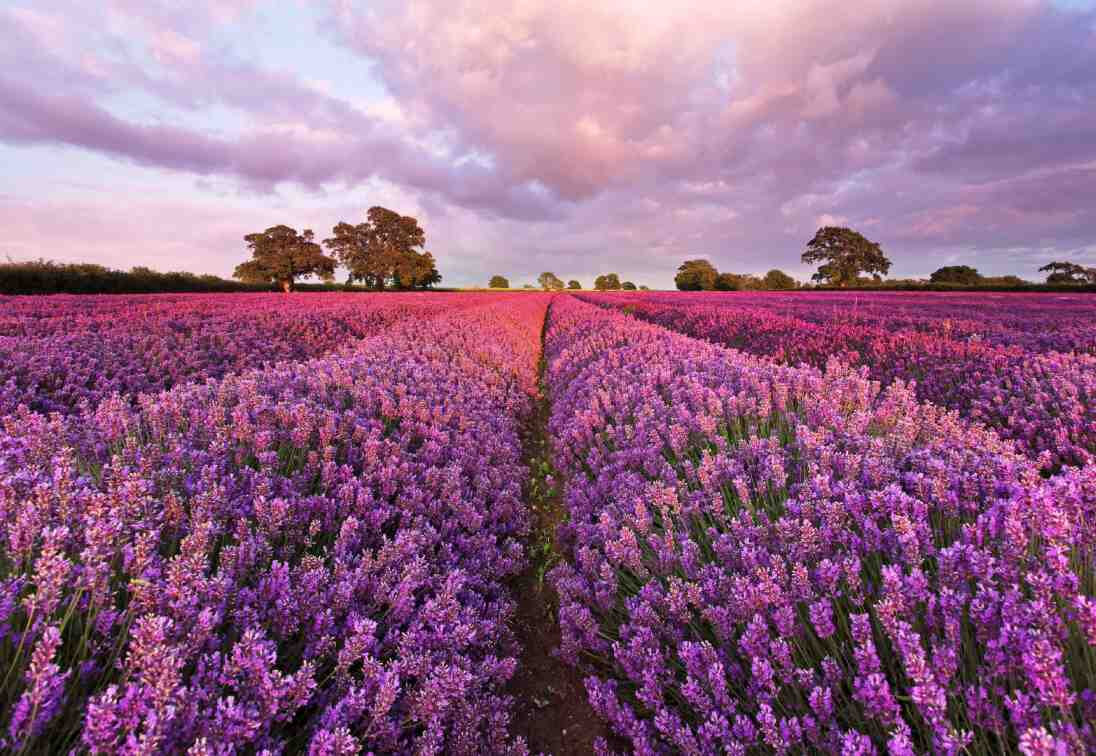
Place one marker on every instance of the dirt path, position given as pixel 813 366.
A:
pixel 551 710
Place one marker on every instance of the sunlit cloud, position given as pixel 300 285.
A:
pixel 571 136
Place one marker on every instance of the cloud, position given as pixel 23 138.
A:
pixel 590 97
pixel 293 131
pixel 630 133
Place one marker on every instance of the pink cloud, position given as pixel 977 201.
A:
pixel 623 129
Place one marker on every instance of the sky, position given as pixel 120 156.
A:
pixel 573 136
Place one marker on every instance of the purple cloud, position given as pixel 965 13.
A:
pixel 627 132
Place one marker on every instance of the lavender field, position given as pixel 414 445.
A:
pixel 258 523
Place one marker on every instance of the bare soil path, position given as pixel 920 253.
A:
pixel 551 711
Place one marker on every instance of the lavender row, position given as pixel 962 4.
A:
pixel 1056 322
pixel 788 559
pixel 58 353
pixel 307 557
pixel 1045 402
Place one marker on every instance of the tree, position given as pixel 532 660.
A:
pixel 778 280
pixel 736 282
pixel 280 255
pixel 573 284
pixel 696 275
pixel 415 271
pixel 628 286
pixel 956 274
pixel 1012 281
pixel 644 288
pixel 607 282
pixel 549 281
pixel 385 249
pixel 844 255
pixel 1069 273
pixel 499 282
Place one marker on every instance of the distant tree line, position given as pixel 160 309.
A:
pixel 701 275
pixel 612 282
pixel 551 282
pixel 964 275
pixel 49 277
pixel 846 258
pixel 385 251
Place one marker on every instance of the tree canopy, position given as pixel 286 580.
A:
pixel 573 284
pixel 550 281
pixel 778 280
pixel 956 274
pixel 280 255
pixel 1068 273
pixel 1008 280
pixel 499 282
pixel 607 282
pixel 696 275
pixel 628 286
pixel 736 282
pixel 844 255
pixel 701 275
pixel 385 250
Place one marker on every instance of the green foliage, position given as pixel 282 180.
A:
pixel 1002 281
pixel 49 277
pixel 280 255
pixel 701 275
pixel 573 284
pixel 549 281
pixel 778 280
pixel 385 250
pixel 736 282
pixel 607 282
pixel 628 286
pixel 1068 273
pixel 696 275
pixel 499 282
pixel 956 274
pixel 726 282
pixel 844 254
pixel 987 283
pixel 419 273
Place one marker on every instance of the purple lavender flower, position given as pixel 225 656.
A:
pixel 863 562
pixel 44 693
pixel 310 550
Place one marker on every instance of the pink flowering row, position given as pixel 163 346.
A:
pixel 762 557
pixel 59 352
pixel 1045 401
pixel 304 557
pixel 1058 322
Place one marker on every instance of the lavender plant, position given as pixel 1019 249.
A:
pixel 310 556
pixel 1045 401
pixel 60 353
pixel 791 559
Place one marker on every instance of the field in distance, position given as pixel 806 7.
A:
pixel 808 521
